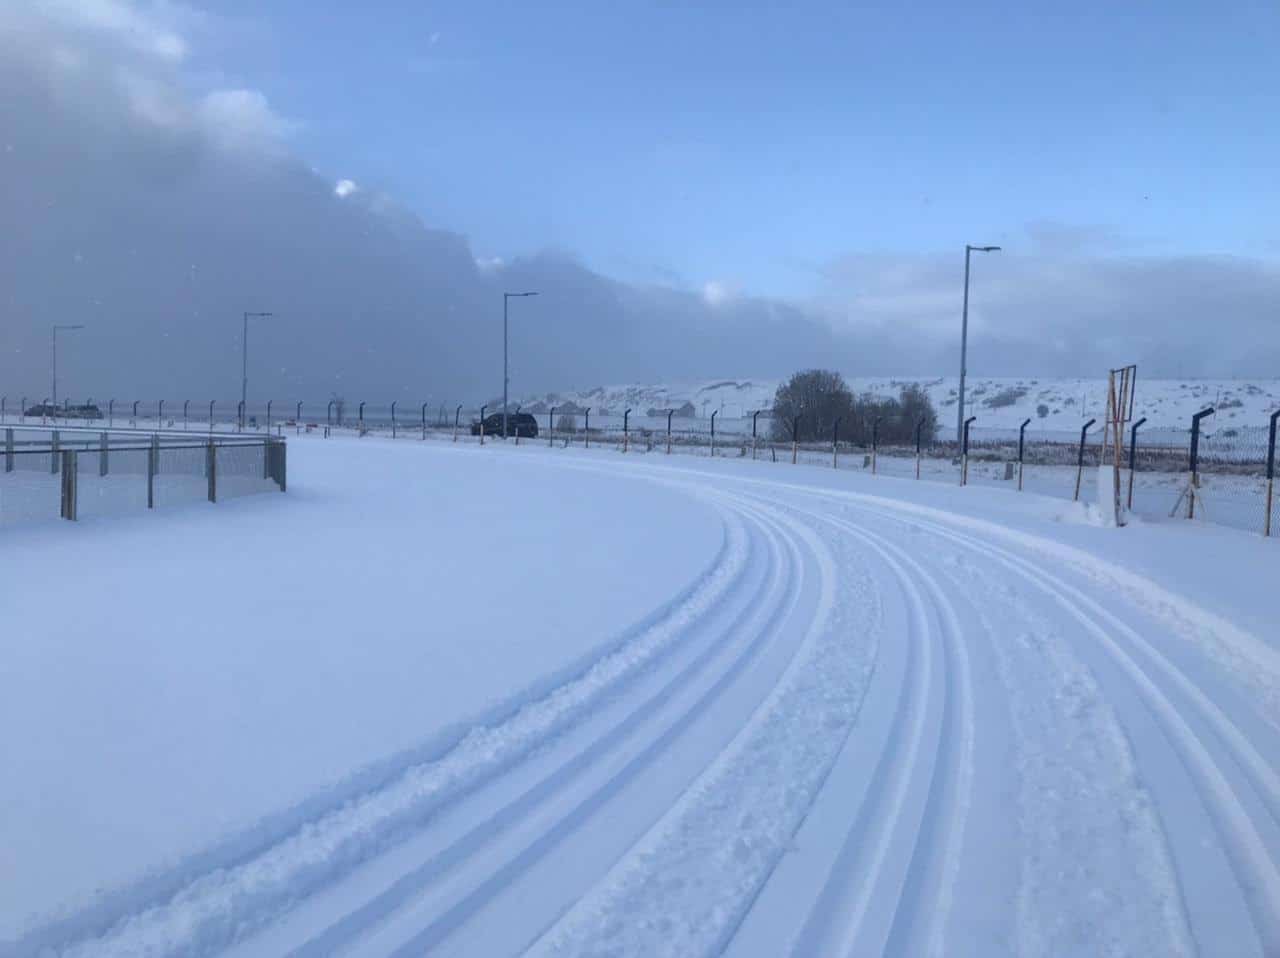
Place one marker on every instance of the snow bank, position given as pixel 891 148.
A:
pixel 201 679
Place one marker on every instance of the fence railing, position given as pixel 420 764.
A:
pixel 1223 474
pixel 77 473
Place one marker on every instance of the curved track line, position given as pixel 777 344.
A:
pixel 931 869
pixel 227 903
pixel 1257 873
pixel 756 623
pixel 700 809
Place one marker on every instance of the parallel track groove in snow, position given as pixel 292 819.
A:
pixel 1256 871
pixel 216 908
pixel 811 751
pixel 736 647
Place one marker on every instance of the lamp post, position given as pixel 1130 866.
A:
pixel 505 379
pixel 56 327
pixel 244 364
pixel 964 333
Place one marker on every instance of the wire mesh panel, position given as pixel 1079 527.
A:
pixel 1232 475
pixel 119 490
pixel 31 489
pixel 120 473
pixel 242 470
pixel 181 475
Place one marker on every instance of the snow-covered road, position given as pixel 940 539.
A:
pixel 876 724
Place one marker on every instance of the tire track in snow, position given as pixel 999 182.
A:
pixel 212 908
pixel 684 888
pixel 1241 834
pixel 739 646
pixel 907 907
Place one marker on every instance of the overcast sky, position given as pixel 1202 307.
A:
pixel 695 190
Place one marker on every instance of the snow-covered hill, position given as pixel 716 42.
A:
pixel 997 402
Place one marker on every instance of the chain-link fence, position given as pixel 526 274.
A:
pixel 1231 483
pixel 80 474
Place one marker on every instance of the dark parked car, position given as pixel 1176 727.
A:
pixel 518 424
pixel 50 411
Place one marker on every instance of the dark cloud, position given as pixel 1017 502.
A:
pixel 155 213
pixel 1053 306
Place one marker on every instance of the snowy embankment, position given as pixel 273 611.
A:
pixel 784 710
pixel 998 402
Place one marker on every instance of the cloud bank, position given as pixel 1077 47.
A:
pixel 155 212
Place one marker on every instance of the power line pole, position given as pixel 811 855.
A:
pixel 964 334
pixel 506 380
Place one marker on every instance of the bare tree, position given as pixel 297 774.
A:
pixel 818 397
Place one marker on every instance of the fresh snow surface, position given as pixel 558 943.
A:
pixel 1001 403
pixel 444 699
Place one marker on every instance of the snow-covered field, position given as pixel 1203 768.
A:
pixel 485 701
pixel 1001 403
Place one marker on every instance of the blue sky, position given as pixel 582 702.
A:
pixel 753 144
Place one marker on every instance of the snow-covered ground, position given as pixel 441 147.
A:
pixel 452 700
pixel 1001 403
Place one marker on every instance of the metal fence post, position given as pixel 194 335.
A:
pixel 456 414
pixel 551 427
pixel 360 429
pixel 754 416
pixel 424 420
pixel 393 420
pixel 670 413
pixel 1133 458
pixel 919 426
pixel 875 442
pixel 297 421
pixel 133 419
pixel 211 470
pixel 964 452
pixel 3 400
pixel 54 458
pixel 274 462
pixel 69 491
pixel 1080 458
pixel 269 416
pixel 211 402
pixel 185 403
pixel 103 462
pixel 1271 470
pixel 160 415
pixel 8 450
pixel 586 430
pixel 482 409
pixel 835 438
pixel 153 455
pixel 626 431
pixel 1022 440
pixel 713 432
pixel 1195 460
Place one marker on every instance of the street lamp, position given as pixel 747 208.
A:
pixel 244 364
pixel 964 332
pixel 505 379
pixel 56 327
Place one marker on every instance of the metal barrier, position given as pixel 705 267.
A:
pixel 80 473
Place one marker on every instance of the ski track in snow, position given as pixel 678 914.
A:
pixel 872 728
